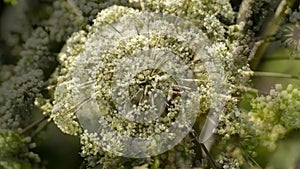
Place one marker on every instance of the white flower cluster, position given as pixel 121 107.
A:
pixel 132 73
pixel 107 67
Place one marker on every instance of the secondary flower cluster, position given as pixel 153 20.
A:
pixel 276 114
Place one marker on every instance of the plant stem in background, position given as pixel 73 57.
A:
pixel 278 75
pixel 271 29
pixel 34 124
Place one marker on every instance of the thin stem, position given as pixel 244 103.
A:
pixel 276 75
pixel 245 89
pixel 79 104
pixel 82 165
pixel 34 124
pixel 210 158
pixel 202 145
pixel 250 158
pixel 114 28
pixel 248 89
pixel 38 130
pixel 282 58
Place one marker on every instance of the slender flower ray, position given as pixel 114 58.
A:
pixel 155 45
pixel 179 13
pixel 160 62
pixel 114 28
pixel 80 86
pixel 192 80
pixel 181 87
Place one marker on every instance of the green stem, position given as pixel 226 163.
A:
pixel 39 129
pixel 282 59
pixel 155 163
pixel 277 75
pixel 33 125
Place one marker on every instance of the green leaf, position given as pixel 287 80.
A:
pixel 12 2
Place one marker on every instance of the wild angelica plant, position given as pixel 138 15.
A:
pixel 146 84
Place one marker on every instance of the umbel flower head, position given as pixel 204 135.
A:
pixel 134 83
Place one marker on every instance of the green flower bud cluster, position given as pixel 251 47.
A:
pixel 276 114
pixel 14 147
